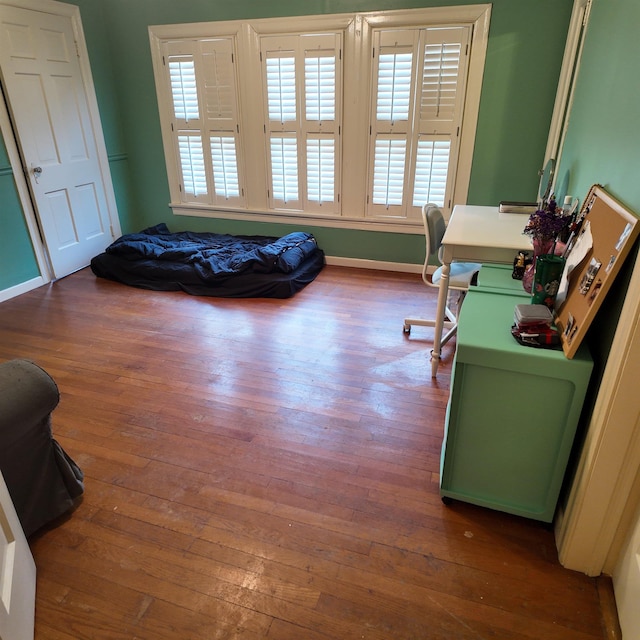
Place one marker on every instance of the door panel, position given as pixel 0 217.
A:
pixel 626 583
pixel 17 575
pixel 49 106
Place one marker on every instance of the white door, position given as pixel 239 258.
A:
pixel 17 575
pixel 626 583
pixel 49 105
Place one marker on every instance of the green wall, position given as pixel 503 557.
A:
pixel 517 101
pixel 603 140
pixel 17 260
pixel 524 55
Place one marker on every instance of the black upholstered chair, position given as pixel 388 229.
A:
pixel 43 481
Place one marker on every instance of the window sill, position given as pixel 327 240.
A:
pixel 389 225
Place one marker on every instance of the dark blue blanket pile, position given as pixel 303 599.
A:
pixel 212 264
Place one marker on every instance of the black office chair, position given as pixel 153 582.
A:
pixel 460 277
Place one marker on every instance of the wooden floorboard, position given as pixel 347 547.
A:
pixel 269 469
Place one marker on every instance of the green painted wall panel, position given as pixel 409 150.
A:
pixel 17 259
pixel 523 61
pixel 526 45
pixel 517 101
pixel 603 141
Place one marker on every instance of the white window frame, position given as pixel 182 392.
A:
pixel 357 35
pixel 416 117
pixel 296 128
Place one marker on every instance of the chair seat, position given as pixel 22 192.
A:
pixel 460 275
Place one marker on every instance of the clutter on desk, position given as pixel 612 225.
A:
pixel 533 326
pixel 546 180
pixel 528 315
pixel 507 206
pixel 601 237
pixel 546 279
pixel 520 263
pixel 577 255
pixel 547 226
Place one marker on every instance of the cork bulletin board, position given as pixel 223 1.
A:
pixel 604 238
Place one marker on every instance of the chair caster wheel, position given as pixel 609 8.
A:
pixel 446 500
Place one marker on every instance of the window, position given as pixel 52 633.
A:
pixel 301 75
pixel 347 120
pixel 416 114
pixel 204 123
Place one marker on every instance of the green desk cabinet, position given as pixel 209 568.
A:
pixel 497 278
pixel 512 413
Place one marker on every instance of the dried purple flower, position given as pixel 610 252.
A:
pixel 548 222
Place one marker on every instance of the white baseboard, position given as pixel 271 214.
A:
pixel 361 263
pixel 356 263
pixel 23 287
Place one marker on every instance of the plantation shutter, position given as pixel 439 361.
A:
pixel 444 74
pixel 416 111
pixel 391 119
pixel 182 75
pixel 205 123
pixel 186 121
pixel 302 87
pixel 222 122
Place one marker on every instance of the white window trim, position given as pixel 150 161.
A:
pixel 358 33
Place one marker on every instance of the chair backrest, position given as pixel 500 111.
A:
pixel 434 228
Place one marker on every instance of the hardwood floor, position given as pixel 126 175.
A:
pixel 269 469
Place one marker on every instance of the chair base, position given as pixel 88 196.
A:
pixel 450 328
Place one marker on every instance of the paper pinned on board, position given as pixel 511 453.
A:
pixel 583 244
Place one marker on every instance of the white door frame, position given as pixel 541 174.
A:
pixel 17 573
pixel 72 12
pixel 23 194
pixel 592 525
pixel 595 522
pixel 625 583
